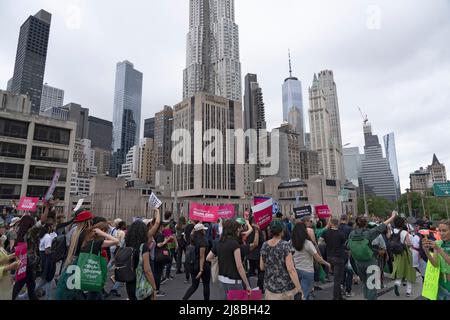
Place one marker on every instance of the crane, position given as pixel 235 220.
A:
pixel 365 118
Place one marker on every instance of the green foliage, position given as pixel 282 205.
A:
pixel 434 207
pixel 377 206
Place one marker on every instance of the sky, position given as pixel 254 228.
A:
pixel 390 58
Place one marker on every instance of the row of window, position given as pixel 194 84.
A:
pixel 13 150
pixel 15 171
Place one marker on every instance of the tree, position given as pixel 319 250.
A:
pixel 434 207
pixel 377 206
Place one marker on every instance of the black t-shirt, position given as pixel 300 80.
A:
pixel 335 241
pixel 255 254
pixel 225 253
pixel 345 229
pixel 96 246
pixel 200 242
pixel 187 233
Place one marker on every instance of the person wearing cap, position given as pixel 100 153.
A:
pixel 281 280
pixel 6 266
pixel 200 269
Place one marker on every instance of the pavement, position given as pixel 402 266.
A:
pixel 176 288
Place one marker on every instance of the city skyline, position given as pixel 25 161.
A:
pixel 404 80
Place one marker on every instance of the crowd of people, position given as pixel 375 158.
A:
pixel 290 259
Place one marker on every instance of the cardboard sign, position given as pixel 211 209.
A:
pixel 28 204
pixel 154 201
pixel 52 188
pixel 21 253
pixel 302 212
pixel 79 204
pixel 203 213
pixel 226 211
pixel 431 284
pixel 323 211
pixel 263 212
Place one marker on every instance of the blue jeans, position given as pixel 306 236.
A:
pixel 306 282
pixel 230 287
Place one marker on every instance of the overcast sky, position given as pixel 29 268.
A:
pixel 391 58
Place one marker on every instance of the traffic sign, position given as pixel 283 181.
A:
pixel 442 189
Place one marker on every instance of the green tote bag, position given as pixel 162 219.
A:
pixel 93 270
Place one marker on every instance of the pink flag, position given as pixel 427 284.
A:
pixel 323 211
pixel 203 213
pixel 256 295
pixel 28 204
pixel 226 211
pixel 21 254
pixel 263 212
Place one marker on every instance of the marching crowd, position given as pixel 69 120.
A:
pixel 290 258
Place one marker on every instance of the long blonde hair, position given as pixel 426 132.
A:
pixel 80 227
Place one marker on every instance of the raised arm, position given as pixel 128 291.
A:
pixel 154 229
pixel 109 239
pixel 255 242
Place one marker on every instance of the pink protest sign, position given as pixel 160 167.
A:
pixel 323 211
pixel 203 213
pixel 226 211
pixel 21 254
pixel 262 212
pixel 28 204
pixel 239 295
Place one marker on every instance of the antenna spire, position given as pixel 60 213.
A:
pixel 290 63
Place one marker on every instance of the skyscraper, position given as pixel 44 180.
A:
pixel 127 113
pixel 51 98
pixel 149 128
pixel 100 133
pixel 254 118
pixel 31 58
pixel 163 139
pixel 79 115
pixel 352 164
pixel 293 104
pixel 391 155
pixel 330 155
pixel 376 176
pixel 212 63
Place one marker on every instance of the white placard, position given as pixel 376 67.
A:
pixel 79 204
pixel 154 201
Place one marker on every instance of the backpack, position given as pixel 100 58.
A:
pixel 143 288
pixel 124 269
pixel 359 247
pixel 395 244
pixel 59 248
pixel 191 254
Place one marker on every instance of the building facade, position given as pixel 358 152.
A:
pixel 127 113
pixel 31 58
pixel 309 164
pixel 31 149
pixel 322 141
pixel 212 62
pixel 200 173
pixel 83 168
pixel 391 156
pixel 149 128
pixel 420 181
pixel 80 116
pixel 437 171
pixel 352 164
pixel 289 156
pixel 100 133
pixel 163 139
pixel 51 98
pixel 376 176
pixel 140 163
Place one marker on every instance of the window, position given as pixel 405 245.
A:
pixel 9 191
pixel 39 191
pixel 45 173
pixel 13 128
pixel 11 170
pixel 12 150
pixel 50 134
pixel 49 154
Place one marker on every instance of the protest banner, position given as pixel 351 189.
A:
pixel 242 295
pixel 431 283
pixel 28 204
pixel 203 213
pixel 52 187
pixel 263 212
pixel 323 211
pixel 302 212
pixel 226 211
pixel 21 253
pixel 154 201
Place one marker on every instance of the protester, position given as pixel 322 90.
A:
pixel 199 268
pixel 419 263
pixel 163 256
pixel 347 283
pixel 379 248
pixel 169 232
pixel 335 242
pixel 6 265
pixel 304 254
pixel 403 264
pixel 181 243
pixel 231 270
pixel 117 230
pixel 97 238
pixel 441 258
pixel 359 244
pixel 281 280
pixel 48 262
pixel 255 254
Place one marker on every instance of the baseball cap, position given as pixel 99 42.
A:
pixel 199 227
pixel 84 216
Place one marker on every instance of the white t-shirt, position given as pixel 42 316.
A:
pixel 46 241
pixel 304 260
